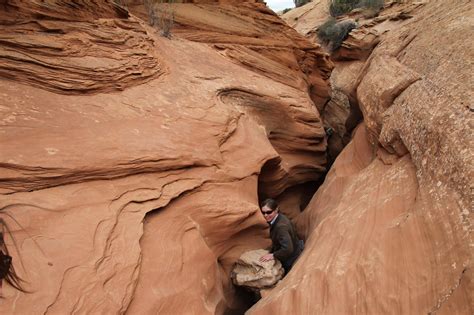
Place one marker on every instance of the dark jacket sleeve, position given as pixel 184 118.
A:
pixel 286 245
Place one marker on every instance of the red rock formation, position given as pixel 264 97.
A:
pixel 251 35
pixel 52 47
pixel 378 242
pixel 389 231
pixel 306 18
pixel 138 193
pixel 132 161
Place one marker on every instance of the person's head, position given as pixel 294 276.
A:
pixel 269 209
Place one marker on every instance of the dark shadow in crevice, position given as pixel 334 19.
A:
pixel 355 117
pixel 271 179
pixel 246 298
pixel 307 191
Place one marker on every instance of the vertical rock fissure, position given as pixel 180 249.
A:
pixel 443 299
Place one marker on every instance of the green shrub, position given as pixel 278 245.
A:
pixel 332 34
pixel 340 7
pixel 299 3
pixel 375 5
pixel 161 15
pixel 286 10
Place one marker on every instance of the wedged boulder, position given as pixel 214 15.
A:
pixel 358 45
pixel 253 274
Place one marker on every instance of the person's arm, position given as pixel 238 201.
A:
pixel 286 245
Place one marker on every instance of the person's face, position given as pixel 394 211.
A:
pixel 268 213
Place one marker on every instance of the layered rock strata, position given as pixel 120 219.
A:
pixel 130 163
pixel 378 241
pixel 390 230
pixel 47 46
pixel 254 37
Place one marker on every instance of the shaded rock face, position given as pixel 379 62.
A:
pixel 130 163
pixel 335 115
pixel 253 274
pixel 390 230
pixel 296 140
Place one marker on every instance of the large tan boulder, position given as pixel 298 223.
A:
pixel 253 274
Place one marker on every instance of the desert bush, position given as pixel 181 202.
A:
pixel 299 3
pixel 375 5
pixel 286 10
pixel 161 15
pixel 332 33
pixel 340 7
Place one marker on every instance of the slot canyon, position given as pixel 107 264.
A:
pixel 138 139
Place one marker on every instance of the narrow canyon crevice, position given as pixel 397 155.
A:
pixel 135 163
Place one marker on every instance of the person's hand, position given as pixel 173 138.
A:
pixel 266 257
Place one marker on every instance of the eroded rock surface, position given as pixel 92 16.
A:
pixel 390 230
pixel 138 192
pixel 253 36
pixel 375 232
pixel 130 163
pixel 73 50
pixel 307 17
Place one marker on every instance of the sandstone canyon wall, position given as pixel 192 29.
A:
pixel 130 163
pixel 390 230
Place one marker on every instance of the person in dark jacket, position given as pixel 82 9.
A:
pixel 286 247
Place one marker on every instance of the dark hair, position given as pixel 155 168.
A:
pixel 7 271
pixel 270 203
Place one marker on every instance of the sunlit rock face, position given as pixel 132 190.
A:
pixel 253 36
pixel 306 18
pixel 390 230
pixel 130 163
